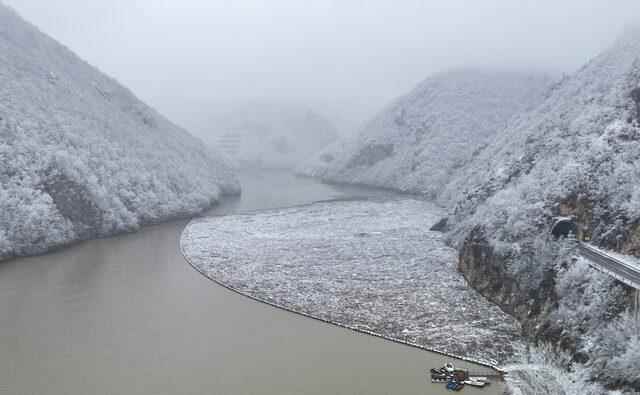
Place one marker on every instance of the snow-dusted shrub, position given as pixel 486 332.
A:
pixel 578 153
pixel 547 370
pixel 586 298
pixel 615 348
pixel 578 141
pixel 420 141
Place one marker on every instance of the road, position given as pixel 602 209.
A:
pixel 622 271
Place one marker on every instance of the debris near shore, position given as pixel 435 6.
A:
pixel 456 379
pixel 371 266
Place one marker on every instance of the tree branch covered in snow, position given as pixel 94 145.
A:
pixel 420 141
pixel 569 149
pixel 80 156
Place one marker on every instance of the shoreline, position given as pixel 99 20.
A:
pixel 501 372
pixel 184 215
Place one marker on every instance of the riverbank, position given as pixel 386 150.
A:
pixel 128 315
pixel 69 243
pixel 369 266
pixel 492 368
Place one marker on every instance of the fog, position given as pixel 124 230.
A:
pixel 194 58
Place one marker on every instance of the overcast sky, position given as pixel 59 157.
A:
pixel 189 58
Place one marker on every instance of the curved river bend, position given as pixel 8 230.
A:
pixel 127 315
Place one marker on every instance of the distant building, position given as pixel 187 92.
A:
pixel 230 142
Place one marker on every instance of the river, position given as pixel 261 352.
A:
pixel 127 315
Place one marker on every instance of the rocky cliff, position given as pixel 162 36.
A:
pixel 575 155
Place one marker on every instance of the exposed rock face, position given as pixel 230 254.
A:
pixel 371 154
pixel 565 303
pixel 73 201
pixel 608 228
pixel 635 95
pixel 581 209
pixel 573 152
pixel 487 272
pixel 575 155
pixel 441 225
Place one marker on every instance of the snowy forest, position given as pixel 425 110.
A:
pixel 81 157
pixel 499 153
pixel 568 147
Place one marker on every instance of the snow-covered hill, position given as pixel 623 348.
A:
pixel 577 154
pixel 582 142
pixel 271 135
pixel 421 140
pixel 507 157
pixel 80 156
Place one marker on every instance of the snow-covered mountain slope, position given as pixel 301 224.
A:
pixel 422 139
pixel 581 143
pixel 80 156
pixel 271 135
pixel 578 155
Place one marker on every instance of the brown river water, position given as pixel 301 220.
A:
pixel 128 315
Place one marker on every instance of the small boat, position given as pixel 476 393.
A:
pixel 456 379
pixel 460 375
pixel 475 383
pixel 438 371
pixel 446 373
pixel 439 376
pixel 454 385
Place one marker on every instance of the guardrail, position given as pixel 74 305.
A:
pixel 617 268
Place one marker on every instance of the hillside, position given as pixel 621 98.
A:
pixel 80 156
pixel 577 154
pixel 506 158
pixel 271 135
pixel 581 143
pixel 422 139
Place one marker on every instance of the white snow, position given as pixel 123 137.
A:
pixel 80 156
pixel 577 143
pixel 582 141
pixel 580 145
pixel 545 370
pixel 418 143
pixel 367 264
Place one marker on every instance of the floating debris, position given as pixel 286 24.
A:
pixel 400 281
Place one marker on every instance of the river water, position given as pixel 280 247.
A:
pixel 127 315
